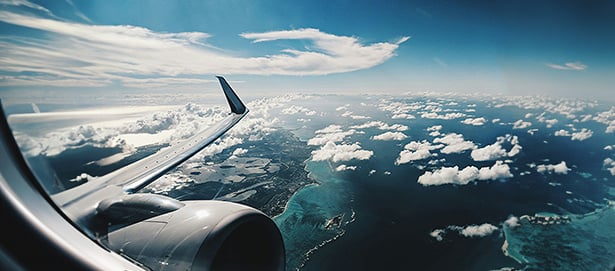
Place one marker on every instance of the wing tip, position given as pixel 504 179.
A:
pixel 233 100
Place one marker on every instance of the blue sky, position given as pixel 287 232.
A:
pixel 557 48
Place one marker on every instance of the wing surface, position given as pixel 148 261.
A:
pixel 141 173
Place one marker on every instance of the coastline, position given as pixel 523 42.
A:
pixel 308 211
pixel 583 235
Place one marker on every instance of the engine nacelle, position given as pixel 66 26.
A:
pixel 203 235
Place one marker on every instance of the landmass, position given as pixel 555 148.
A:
pixel 334 222
pixel 265 177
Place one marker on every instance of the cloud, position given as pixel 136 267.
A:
pixel 471 231
pixel 562 132
pixel 403 116
pixel 580 135
pixel 447 116
pixel 438 234
pixel 549 122
pixel 560 168
pixel 608 118
pixel 399 110
pixel 440 62
pixel 512 221
pixel 25 3
pixel 295 109
pixel 516 149
pixel 405 156
pixel 455 143
pixel 351 115
pixel 331 133
pixel 239 151
pixel 489 152
pixel 609 164
pixel 435 128
pixel 416 151
pixel 496 151
pixel 341 152
pixel 520 124
pixel 474 121
pixel 390 136
pixel 452 175
pixel 345 167
pixel 569 66
pixel 76 54
pixel 381 125
pixel 163 126
pixel 477 230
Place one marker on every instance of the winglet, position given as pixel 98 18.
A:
pixel 234 102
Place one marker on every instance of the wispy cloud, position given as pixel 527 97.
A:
pixel 25 3
pixel 77 54
pixel 78 12
pixel 440 62
pixel 569 66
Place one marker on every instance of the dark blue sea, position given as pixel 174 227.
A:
pixel 376 216
pixel 388 216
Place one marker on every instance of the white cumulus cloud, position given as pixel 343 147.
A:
pixel 381 125
pixel 331 133
pixel 512 221
pixel 489 152
pixel 478 230
pixel 390 136
pixel 341 152
pixel 452 175
pixel 610 165
pixel 474 121
pixel 447 116
pixel 496 151
pixel 471 231
pixel 520 124
pixel 438 234
pixel 582 135
pixel 345 167
pixel 560 168
pixel 454 143
pixel 416 151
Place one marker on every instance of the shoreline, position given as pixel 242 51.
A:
pixel 518 247
pixel 313 183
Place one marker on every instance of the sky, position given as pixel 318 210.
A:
pixel 555 48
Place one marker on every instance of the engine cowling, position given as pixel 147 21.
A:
pixel 203 235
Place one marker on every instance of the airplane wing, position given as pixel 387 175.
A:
pixel 137 175
pixel 156 231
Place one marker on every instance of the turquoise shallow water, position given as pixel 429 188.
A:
pixel 304 222
pixel 388 216
pixel 585 243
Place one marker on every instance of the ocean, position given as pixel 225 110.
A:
pixel 388 216
pixel 366 212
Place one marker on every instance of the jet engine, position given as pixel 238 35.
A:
pixel 191 235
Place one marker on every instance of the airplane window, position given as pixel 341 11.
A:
pixel 321 136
